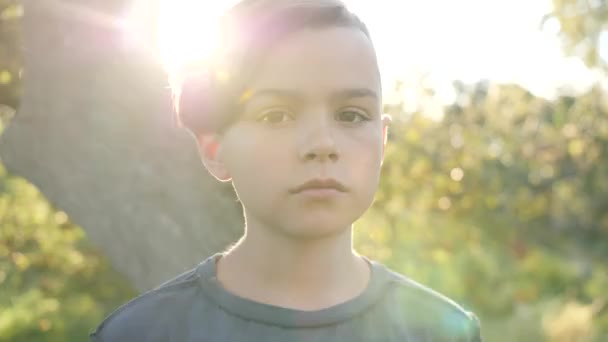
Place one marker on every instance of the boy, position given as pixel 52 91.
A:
pixel 291 115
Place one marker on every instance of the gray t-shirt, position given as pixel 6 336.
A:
pixel 195 307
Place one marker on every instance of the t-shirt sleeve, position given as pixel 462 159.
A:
pixel 428 313
pixel 459 325
pixel 148 316
pixel 474 329
pixel 129 323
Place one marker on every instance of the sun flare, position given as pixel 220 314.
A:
pixel 187 30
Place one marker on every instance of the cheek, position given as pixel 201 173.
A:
pixel 254 162
pixel 362 165
pixel 367 150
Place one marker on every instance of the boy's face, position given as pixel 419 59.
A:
pixel 313 111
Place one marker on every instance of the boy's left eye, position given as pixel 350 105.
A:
pixel 352 115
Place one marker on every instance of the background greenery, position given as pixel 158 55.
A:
pixel 502 204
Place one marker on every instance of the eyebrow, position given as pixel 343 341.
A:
pixel 355 93
pixel 342 94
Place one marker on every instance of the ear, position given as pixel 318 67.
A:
pixel 208 147
pixel 386 120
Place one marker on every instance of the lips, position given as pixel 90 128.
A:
pixel 320 184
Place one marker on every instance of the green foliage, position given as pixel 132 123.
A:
pixel 503 205
pixel 53 285
pixel 583 26
pixel 11 12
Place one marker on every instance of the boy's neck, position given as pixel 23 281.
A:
pixel 282 271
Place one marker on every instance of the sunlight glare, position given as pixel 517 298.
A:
pixel 187 30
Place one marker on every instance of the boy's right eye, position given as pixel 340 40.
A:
pixel 274 116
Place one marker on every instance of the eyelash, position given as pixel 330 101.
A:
pixel 267 112
pixel 360 113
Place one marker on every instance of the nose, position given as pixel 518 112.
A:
pixel 317 140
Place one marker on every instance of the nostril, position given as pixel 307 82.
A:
pixel 313 156
pixel 321 149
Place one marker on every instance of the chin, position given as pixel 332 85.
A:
pixel 315 230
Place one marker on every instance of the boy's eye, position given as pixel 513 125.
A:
pixel 352 115
pixel 274 116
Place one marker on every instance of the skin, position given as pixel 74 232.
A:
pixel 312 111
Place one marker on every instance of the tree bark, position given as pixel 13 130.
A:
pixel 95 133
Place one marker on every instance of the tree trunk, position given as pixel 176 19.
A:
pixel 96 135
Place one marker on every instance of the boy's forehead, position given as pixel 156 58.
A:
pixel 330 60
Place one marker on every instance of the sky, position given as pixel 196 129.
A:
pixel 447 40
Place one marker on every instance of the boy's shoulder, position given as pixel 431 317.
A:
pixel 428 309
pixel 161 305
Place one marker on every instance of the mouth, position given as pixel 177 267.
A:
pixel 320 186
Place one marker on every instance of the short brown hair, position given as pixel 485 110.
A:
pixel 206 100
